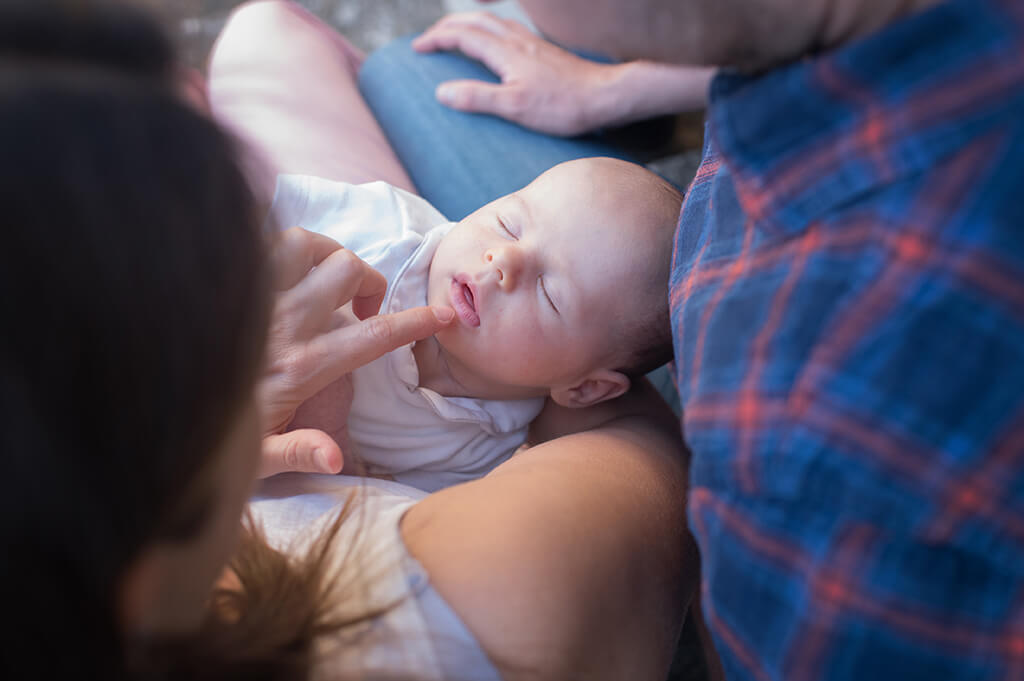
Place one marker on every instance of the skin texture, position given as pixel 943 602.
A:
pixel 311 343
pixel 571 560
pixel 750 34
pixel 559 273
pixel 548 89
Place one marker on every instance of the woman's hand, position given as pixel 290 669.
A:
pixel 548 89
pixel 313 344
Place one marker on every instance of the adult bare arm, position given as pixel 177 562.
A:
pixel 309 350
pixel 548 89
pixel 572 559
pixel 555 421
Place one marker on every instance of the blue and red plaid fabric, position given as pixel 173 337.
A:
pixel 848 312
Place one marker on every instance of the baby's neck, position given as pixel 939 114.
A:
pixel 434 371
pixel 439 372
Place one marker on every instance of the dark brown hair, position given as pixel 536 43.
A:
pixel 135 306
pixel 262 622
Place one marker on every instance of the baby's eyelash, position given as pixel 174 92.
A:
pixel 505 227
pixel 544 289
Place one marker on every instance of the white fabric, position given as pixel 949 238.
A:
pixel 418 635
pixel 398 428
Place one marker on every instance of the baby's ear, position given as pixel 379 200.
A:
pixel 598 386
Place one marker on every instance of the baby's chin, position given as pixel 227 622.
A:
pixel 452 342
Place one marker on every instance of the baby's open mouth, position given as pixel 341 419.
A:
pixel 464 302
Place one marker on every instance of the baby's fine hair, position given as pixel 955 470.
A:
pixel 648 342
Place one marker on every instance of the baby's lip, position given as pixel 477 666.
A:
pixel 463 296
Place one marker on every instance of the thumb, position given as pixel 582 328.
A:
pixel 477 96
pixel 303 451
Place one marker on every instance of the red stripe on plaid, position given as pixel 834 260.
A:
pixel 805 660
pixel 911 252
pixel 926 628
pixel 856 233
pixel 729 638
pixel 736 268
pixel 787 555
pixel 981 493
pixel 872 132
pixel 707 411
pixel 850 327
pixel 991 275
pixel 899 453
pixel 707 170
pixel 748 413
pixel 681 293
pixel 896 452
pixel 985 81
pixel 834 588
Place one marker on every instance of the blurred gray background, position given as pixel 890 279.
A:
pixel 669 146
pixel 367 23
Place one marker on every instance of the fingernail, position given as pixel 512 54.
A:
pixel 444 314
pixel 320 456
pixel 445 94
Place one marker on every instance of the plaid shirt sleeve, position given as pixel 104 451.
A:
pixel 848 315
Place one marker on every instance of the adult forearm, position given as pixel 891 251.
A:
pixel 637 90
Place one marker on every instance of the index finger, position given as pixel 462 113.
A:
pixel 341 278
pixel 296 252
pixel 346 349
pixel 476 43
pixel 481 19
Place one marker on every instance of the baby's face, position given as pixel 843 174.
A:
pixel 543 281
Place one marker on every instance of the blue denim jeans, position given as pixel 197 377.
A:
pixel 458 161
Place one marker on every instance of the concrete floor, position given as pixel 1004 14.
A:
pixel 666 145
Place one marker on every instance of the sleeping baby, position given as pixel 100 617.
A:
pixel 559 289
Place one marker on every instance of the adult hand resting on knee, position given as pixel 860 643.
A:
pixel 313 345
pixel 548 89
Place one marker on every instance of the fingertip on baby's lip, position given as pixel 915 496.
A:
pixel 444 315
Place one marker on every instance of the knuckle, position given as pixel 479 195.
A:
pixel 378 329
pixel 345 260
pixel 298 237
pixel 292 454
pixel 516 101
pixel 468 97
pixel 294 367
pixel 286 309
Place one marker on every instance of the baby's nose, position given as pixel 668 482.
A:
pixel 508 265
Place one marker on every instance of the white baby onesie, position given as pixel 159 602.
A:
pixel 414 434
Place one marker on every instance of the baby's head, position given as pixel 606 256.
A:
pixel 560 288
